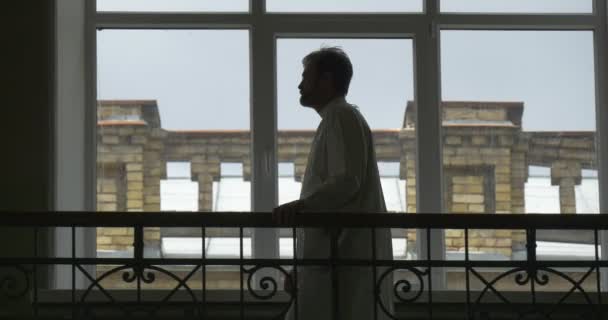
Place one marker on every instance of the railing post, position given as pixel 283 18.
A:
pixel 531 247
pixel 203 273
pixel 598 271
pixel 138 255
pixel 467 274
pixel 376 288
pixel 294 273
pixel 138 244
pixel 334 275
pixel 531 266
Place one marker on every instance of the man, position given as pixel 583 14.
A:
pixel 341 175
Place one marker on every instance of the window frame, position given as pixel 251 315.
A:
pixel 264 29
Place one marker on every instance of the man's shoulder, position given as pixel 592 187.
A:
pixel 345 111
pixel 348 117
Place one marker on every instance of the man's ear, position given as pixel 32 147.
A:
pixel 327 79
pixel 326 76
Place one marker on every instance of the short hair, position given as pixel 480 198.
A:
pixel 335 61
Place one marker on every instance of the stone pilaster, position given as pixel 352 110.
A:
pixel 410 196
pixel 519 175
pixel 299 166
pixel 135 186
pixel 107 197
pixel 567 196
pixel 205 192
pixel 566 175
pixel 467 194
pixel 503 193
pixel 155 169
pixel 247 169
pixel 205 171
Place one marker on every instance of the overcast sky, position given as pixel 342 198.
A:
pixel 201 78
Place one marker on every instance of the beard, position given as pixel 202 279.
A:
pixel 306 100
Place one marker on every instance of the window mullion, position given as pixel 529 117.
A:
pixel 263 124
pixel 601 52
pixel 428 135
pixel 74 130
pixel 601 76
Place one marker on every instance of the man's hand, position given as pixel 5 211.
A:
pixel 286 213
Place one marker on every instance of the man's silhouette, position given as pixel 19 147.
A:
pixel 341 176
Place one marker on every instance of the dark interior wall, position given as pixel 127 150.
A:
pixel 26 105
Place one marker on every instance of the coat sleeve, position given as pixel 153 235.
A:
pixel 345 152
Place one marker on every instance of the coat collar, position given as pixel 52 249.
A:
pixel 332 103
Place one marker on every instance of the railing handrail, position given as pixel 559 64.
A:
pixel 317 219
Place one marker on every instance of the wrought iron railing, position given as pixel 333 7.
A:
pixel 257 285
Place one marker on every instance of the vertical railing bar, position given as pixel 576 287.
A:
pixel 533 290
pixel 376 288
pixel 532 267
pixel 204 273
pixel 73 235
pixel 598 271
pixel 467 276
pixel 241 266
pixel 35 269
pixel 334 274
pixel 138 259
pixel 429 276
pixel 294 287
pixel 139 286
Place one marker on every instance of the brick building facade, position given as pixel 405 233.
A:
pixel 486 157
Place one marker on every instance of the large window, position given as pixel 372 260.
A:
pixel 497 139
pixel 173 131
pixel 198 110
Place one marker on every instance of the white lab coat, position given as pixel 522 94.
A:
pixel 342 175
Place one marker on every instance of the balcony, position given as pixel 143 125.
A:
pixel 492 289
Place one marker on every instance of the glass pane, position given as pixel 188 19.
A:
pixel 173 132
pixel 328 6
pixel 518 6
pixel 381 87
pixel 519 133
pixel 173 5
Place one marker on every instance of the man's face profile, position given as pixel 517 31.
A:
pixel 308 86
pixel 316 88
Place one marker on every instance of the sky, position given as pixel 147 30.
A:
pixel 200 78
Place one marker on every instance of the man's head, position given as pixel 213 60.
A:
pixel 327 74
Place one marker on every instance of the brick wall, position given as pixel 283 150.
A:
pixel 485 157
